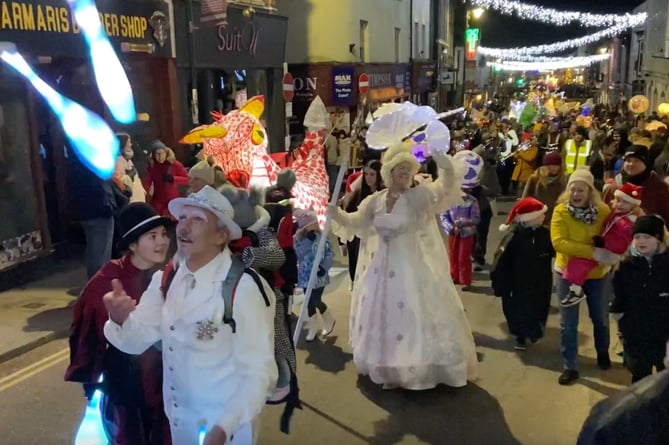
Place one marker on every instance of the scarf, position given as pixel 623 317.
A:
pixel 587 215
pixel 639 179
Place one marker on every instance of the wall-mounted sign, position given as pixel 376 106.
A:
pixel 472 38
pixel 48 28
pixel 342 85
pixel 239 39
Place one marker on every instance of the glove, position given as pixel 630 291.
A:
pixel 598 240
pixel 606 257
pixel 168 178
pixel 311 236
pixel 444 162
pixel 321 271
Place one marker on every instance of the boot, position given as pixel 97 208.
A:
pixel 328 323
pixel 312 327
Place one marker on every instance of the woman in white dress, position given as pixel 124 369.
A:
pixel 408 327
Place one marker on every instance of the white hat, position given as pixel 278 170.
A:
pixel 209 199
pixel 202 170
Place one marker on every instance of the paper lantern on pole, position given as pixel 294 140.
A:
pixel 663 109
pixel 639 104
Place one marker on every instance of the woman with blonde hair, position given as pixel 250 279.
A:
pixel 408 326
pixel 578 218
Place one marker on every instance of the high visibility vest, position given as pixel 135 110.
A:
pixel 576 157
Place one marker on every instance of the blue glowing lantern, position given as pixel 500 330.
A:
pixel 91 138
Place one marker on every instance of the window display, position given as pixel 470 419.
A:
pixel 20 236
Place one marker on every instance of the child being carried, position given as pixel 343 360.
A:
pixel 616 237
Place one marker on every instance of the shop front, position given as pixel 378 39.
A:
pixel 342 87
pixel 35 160
pixel 230 61
pixel 423 84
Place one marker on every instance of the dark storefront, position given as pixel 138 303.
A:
pixel 229 62
pixel 35 161
pixel 423 84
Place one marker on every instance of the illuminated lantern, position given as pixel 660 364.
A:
pixel 639 104
pixel 663 109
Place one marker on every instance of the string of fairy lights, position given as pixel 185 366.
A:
pixel 532 58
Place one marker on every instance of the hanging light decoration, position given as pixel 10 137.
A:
pixel 551 16
pixel 548 63
pixel 551 48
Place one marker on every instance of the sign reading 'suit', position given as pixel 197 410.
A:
pixel 48 28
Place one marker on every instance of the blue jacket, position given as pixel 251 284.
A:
pixel 306 254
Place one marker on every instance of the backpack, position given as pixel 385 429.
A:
pixel 228 291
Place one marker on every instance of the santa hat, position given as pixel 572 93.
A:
pixel 525 210
pixel 630 193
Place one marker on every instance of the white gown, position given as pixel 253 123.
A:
pixel 408 326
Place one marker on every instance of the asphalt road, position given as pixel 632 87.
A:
pixel 516 400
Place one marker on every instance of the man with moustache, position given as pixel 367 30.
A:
pixel 217 376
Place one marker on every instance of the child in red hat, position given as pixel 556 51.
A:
pixel 522 274
pixel 616 238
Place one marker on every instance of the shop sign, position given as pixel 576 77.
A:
pixel 239 39
pixel 387 82
pixel 240 42
pixel 311 81
pixel 342 85
pixel 48 27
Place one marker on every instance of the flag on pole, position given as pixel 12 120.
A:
pixel 214 12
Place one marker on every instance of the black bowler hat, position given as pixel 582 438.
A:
pixel 136 219
pixel 638 151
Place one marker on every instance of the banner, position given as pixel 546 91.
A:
pixel 342 85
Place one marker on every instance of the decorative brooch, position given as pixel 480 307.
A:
pixel 206 330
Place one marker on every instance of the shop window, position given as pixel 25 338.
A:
pixel 20 236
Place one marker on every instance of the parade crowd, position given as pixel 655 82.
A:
pixel 192 290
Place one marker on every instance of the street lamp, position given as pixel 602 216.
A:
pixel 477 12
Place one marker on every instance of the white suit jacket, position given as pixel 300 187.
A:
pixel 221 378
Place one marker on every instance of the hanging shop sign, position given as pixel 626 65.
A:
pixel 342 85
pixel 48 27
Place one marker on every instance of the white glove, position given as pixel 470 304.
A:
pixel 444 162
pixel 604 256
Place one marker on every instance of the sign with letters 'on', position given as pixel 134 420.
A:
pixel 48 27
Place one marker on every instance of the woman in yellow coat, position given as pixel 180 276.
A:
pixel 525 157
pixel 578 217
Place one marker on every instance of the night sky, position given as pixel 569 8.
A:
pixel 499 30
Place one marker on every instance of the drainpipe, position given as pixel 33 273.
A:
pixel 195 113
pixel 411 30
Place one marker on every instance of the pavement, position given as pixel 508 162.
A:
pixel 39 312
pixel 516 399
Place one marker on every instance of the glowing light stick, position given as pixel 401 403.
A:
pixel 201 434
pixel 89 135
pixel 91 431
pixel 110 76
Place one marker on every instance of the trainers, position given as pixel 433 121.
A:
pixel 572 299
pixel 521 345
pixel 568 377
pixel 603 361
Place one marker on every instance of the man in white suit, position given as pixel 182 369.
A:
pixel 215 381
